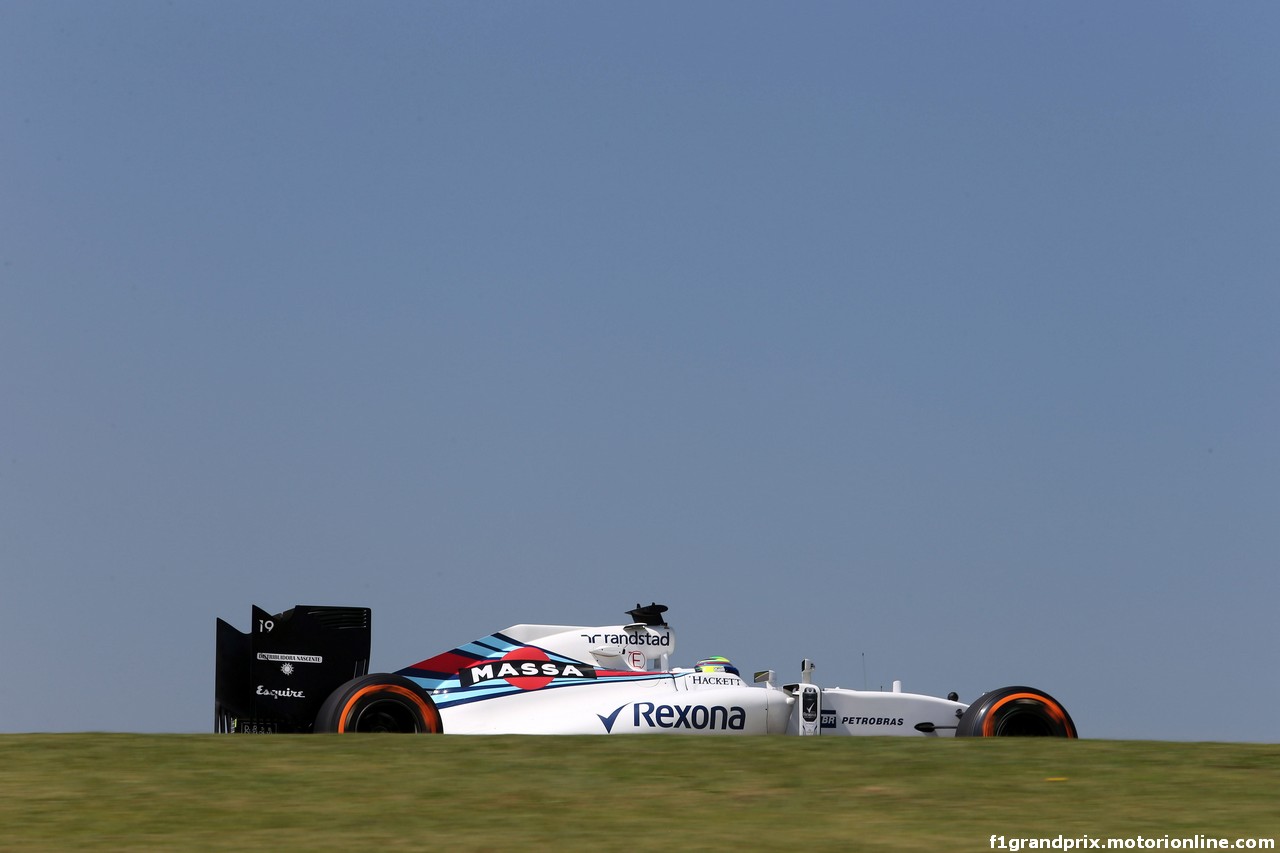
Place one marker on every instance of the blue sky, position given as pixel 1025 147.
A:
pixel 935 335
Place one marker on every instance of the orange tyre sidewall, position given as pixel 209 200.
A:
pixel 430 716
pixel 1054 710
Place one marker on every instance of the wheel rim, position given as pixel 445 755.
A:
pixel 1025 722
pixel 385 717
pixel 1026 714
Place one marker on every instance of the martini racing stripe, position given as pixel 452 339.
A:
pixel 433 671
pixel 451 697
pixel 442 671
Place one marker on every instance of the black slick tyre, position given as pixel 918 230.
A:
pixel 379 702
pixel 1016 712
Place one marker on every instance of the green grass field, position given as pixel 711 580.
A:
pixel 183 792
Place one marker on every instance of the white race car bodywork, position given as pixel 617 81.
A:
pixel 292 672
pixel 615 679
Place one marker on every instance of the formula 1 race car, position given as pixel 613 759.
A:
pixel 306 670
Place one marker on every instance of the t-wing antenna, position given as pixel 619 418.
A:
pixel 648 615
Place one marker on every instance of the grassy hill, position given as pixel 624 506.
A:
pixel 634 793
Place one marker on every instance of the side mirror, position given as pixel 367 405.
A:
pixel 806 671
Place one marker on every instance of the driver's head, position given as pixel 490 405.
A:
pixel 715 664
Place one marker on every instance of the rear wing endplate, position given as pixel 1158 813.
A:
pixel 275 677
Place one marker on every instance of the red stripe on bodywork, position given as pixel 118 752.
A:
pixel 447 663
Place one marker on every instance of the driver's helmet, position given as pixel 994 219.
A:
pixel 716 664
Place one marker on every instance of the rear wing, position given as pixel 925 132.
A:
pixel 275 677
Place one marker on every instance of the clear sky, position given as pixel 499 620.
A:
pixel 933 341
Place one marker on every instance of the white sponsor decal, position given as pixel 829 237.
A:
pixel 286 693
pixel 290 658
pixel 522 669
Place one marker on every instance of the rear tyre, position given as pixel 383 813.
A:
pixel 1016 712
pixel 381 703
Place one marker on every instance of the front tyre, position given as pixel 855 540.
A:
pixel 1016 712
pixel 379 703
